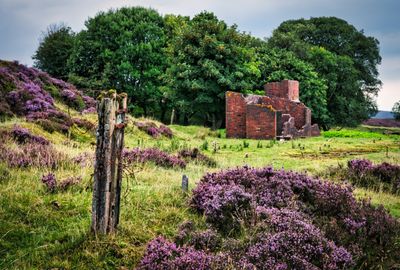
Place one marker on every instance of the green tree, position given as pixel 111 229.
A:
pixel 123 49
pixel 396 110
pixel 350 68
pixel 55 48
pixel 207 59
pixel 277 65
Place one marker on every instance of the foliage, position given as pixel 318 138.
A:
pixel 31 155
pixel 194 154
pixel 31 93
pixel 363 173
pixel 122 49
pixel 289 205
pixel 153 130
pixel 155 155
pixel 278 64
pixel 207 57
pixel 352 133
pixel 396 110
pixel 153 204
pixel 55 48
pixel 343 56
pixel 22 136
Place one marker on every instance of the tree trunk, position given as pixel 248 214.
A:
pixel 108 164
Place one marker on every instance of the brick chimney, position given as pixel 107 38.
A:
pixel 288 89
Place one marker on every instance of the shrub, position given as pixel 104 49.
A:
pixel 160 158
pixel 22 136
pixel 364 174
pixel 153 130
pixel 194 154
pixel 31 154
pixel 161 254
pixel 294 221
pixel 49 180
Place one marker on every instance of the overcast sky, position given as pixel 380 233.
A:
pixel 22 22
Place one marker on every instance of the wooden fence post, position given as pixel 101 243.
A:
pixel 111 109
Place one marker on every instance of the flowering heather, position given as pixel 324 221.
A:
pixel 22 136
pixel 89 110
pixel 28 92
pixel 364 174
pixel 49 180
pixel 153 130
pixel 195 155
pixel 164 255
pixel 274 219
pixel 31 154
pixel 160 158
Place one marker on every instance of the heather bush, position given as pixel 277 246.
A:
pixel 194 154
pixel 30 92
pixel 380 176
pixel 273 219
pixel 32 154
pixel 22 136
pixel 153 130
pixel 160 158
pixel 164 255
pixel 50 182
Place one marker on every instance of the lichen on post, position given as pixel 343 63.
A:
pixel 111 110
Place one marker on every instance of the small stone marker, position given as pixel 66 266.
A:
pixel 185 183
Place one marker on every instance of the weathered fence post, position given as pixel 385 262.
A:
pixel 111 109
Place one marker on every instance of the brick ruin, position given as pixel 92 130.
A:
pixel 278 114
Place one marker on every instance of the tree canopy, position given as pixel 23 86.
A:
pixel 182 64
pixel 343 56
pixel 123 49
pixel 209 58
pixel 55 48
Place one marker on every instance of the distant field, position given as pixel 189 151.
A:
pixel 41 230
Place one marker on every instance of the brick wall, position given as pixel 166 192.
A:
pixel 260 122
pixel 295 109
pixel 288 89
pixel 265 117
pixel 235 115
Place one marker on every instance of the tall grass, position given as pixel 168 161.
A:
pixel 42 230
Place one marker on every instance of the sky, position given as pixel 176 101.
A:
pixel 22 23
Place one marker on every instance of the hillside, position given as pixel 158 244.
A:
pixel 46 163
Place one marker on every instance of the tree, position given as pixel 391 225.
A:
pixel 277 65
pixel 208 58
pixel 55 48
pixel 123 49
pixel 350 68
pixel 396 110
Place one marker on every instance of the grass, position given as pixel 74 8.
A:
pixel 39 230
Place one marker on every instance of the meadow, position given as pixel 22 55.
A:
pixel 50 230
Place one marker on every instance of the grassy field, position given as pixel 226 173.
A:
pixel 40 230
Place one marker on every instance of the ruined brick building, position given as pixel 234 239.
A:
pixel 279 114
